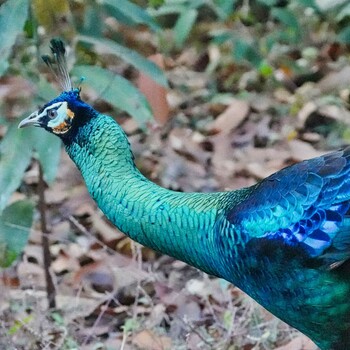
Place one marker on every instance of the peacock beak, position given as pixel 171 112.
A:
pixel 32 120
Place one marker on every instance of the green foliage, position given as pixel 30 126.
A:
pixel 15 156
pixel 262 33
pixel 130 56
pixel 16 151
pixel 20 324
pixel 184 25
pixel 245 51
pixel 155 3
pixel 223 8
pixel 19 146
pixel 133 13
pixel 46 149
pixel 186 13
pixel 13 15
pixel 344 35
pixel 130 325
pixel 15 223
pixel 289 20
pixel 116 90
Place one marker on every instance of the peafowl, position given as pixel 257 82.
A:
pixel 285 241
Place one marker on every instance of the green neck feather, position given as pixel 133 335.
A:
pixel 175 223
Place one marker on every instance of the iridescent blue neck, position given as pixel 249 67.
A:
pixel 174 223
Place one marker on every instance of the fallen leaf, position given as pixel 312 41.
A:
pixel 65 262
pixel 148 340
pixel 15 87
pixel 335 81
pixel 233 116
pixel 31 275
pixel 97 276
pixel 106 231
pixel 156 316
pixel 301 150
pixel 155 94
pixel 305 112
pixel 299 343
pixel 339 113
pixel 9 278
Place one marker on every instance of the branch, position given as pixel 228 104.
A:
pixel 50 287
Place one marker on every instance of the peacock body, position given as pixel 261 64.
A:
pixel 284 241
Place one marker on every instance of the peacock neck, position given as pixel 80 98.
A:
pixel 174 223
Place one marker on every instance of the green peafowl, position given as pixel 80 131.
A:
pixel 284 241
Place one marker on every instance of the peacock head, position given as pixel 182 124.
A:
pixel 64 114
pixel 61 116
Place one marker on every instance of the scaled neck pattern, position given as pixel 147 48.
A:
pixel 175 223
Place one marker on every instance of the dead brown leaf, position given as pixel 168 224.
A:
pixel 299 343
pixel 156 94
pixel 65 262
pixel 97 276
pixel 15 87
pixel 148 340
pixel 233 116
pixel 106 231
pixel 335 80
pixel 305 111
pixel 301 150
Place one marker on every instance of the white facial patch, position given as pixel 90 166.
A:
pixel 61 116
pixel 60 108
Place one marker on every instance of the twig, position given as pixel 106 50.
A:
pixel 50 287
pixel 189 326
pixel 125 337
pixel 98 319
pixel 85 232
pixel 136 255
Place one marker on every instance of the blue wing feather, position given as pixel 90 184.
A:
pixel 304 205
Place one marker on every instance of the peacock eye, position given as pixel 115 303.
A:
pixel 52 113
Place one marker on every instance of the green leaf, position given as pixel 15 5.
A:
pixel 20 324
pixel 177 7
pixel 291 32
pixel 244 51
pixel 15 223
pixel 13 15
pixel 344 35
pixel 268 3
pixel 130 56
pixel 117 91
pixel 48 148
pixel 265 69
pixel 93 23
pixel 223 8
pixel 168 9
pixel 16 150
pixel 156 3
pixel 286 17
pixel 15 156
pixel 328 5
pixel 309 3
pixel 184 25
pixel 343 13
pixel 46 91
pixel 135 13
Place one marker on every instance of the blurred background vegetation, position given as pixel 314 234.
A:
pixel 289 60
